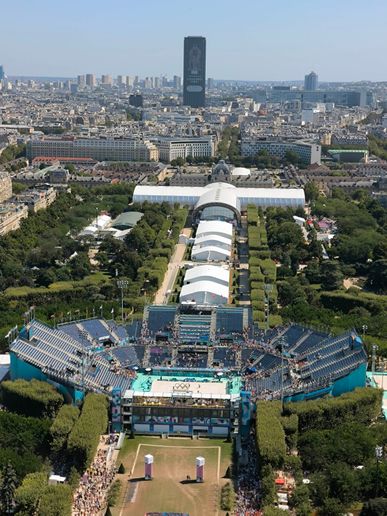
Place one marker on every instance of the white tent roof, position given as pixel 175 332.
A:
pixel 209 287
pixel 214 271
pixel 191 194
pixel 219 193
pixel 201 240
pixel 213 227
pixel 210 249
pixel 240 171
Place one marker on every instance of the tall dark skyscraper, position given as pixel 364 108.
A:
pixel 311 82
pixel 194 87
pixel 2 74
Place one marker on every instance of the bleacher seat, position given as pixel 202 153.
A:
pixel 126 355
pixel 161 319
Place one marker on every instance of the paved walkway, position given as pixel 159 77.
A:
pixel 162 295
pixel 90 498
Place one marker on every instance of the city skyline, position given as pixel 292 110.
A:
pixel 259 42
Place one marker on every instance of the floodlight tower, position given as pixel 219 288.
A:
pixel 122 284
pixel 374 350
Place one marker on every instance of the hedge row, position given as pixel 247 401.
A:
pixel 155 266
pixel 31 398
pixel 258 316
pixel 258 305
pixel 62 426
pixel 362 405
pixel 344 301
pixel 275 320
pixel 227 497
pixel 252 215
pixel 268 490
pixel 270 434
pixel 257 294
pixel 265 267
pixel 83 440
pixel 256 274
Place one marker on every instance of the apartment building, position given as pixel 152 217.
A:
pixel 11 216
pixel 172 148
pixel 5 186
pixel 95 148
pixel 38 199
pixel 308 153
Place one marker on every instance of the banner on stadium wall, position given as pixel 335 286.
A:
pixel 245 408
pixel 116 409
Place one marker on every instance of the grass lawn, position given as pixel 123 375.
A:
pixel 98 278
pixel 169 491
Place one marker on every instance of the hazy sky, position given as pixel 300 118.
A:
pixel 342 40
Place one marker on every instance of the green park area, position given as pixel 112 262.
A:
pixel 40 434
pixel 45 264
pixel 347 288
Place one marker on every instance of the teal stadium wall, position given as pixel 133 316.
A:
pixel 356 378
pixel 21 369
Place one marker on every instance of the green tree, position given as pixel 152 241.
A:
pixel 114 493
pixel 80 266
pixel 292 157
pixel 331 507
pixel 375 507
pixel 377 276
pixel 311 191
pixel 7 489
pixel 28 494
pixel 178 162
pixel 71 168
pixel 312 272
pixel 331 275
pixel 56 501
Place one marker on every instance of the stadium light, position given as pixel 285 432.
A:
pixel 122 284
pixel 374 350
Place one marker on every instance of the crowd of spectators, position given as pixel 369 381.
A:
pixel 90 497
pixel 247 483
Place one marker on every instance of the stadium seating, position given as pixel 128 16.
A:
pixel 126 355
pixel 56 352
pixel 133 330
pixel 229 320
pixel 191 359
pixel 161 319
pixel 225 357
pixel 120 331
pixel 96 329
pixel 74 352
pixel 159 355
pixel 140 351
pixel 194 328
pixel 76 333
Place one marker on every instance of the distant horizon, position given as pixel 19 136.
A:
pixel 263 81
pixel 252 39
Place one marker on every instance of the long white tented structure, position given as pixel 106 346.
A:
pixel 214 227
pixel 223 193
pixel 214 273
